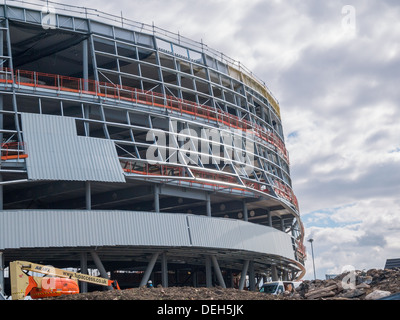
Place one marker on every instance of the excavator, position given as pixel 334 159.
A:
pixel 56 282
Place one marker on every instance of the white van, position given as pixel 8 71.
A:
pixel 279 287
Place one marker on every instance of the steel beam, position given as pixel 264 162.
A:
pixel 149 269
pixel 164 270
pixel 243 274
pixel 218 271
pixel 84 270
pixel 99 266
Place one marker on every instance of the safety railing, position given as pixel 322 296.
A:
pixel 170 103
pixel 206 178
pixel 285 192
pixel 13 151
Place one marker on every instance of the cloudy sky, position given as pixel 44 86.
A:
pixel 335 68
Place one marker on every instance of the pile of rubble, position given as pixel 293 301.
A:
pixel 361 285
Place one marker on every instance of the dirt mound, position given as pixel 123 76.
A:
pixel 173 293
pixel 358 285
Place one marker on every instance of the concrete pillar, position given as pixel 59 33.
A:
pixel 84 270
pixel 285 275
pixel 99 266
pixel 164 270
pixel 149 269
pixel 274 273
pixel 208 205
pixel 1 273
pixel 269 219
pixel 245 213
pixel 218 272
pixel 88 195
pixel 243 274
pixel 252 277
pixel 208 272
pixel 156 198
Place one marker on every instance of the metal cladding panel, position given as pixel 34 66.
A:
pixel 56 152
pixel 81 228
pixel 266 239
pixel 235 234
pixel 215 233
pixel 71 228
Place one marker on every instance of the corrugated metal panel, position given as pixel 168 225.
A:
pixel 215 233
pixel 81 228
pixel 55 228
pixel 266 239
pixel 56 152
pixel 235 234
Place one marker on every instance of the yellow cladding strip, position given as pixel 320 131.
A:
pixel 255 85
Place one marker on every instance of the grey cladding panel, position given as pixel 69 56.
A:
pixel 56 152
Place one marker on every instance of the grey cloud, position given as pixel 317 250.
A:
pixel 371 239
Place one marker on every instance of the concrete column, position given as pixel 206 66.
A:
pixel 274 273
pixel 99 266
pixel 208 272
pixel 1 273
pixel 252 277
pixel 208 204
pixel 218 272
pixel 88 192
pixel 245 212
pixel 270 219
pixel 149 269
pixel 164 270
pixel 243 275
pixel 156 198
pixel 285 275
pixel 84 270
pixel 1 191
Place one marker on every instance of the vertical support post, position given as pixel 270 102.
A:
pixel 164 270
pixel 85 65
pixel 149 269
pixel 270 219
pixel 88 191
pixel 243 274
pixel 274 273
pixel 245 212
pixel 208 272
pixel 84 270
pixel 218 272
pixel 252 277
pixel 1 190
pixel 99 266
pixel 285 275
pixel 1 273
pixel 156 198
pixel 208 205
pixel 14 98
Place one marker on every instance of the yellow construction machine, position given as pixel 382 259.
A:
pixel 56 282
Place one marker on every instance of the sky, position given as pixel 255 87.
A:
pixel 334 66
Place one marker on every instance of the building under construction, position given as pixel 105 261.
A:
pixel 139 153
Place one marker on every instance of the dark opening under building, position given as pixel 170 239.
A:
pixel 129 148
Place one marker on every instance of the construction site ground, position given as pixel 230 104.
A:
pixel 359 285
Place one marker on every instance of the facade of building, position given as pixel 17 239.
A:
pixel 127 147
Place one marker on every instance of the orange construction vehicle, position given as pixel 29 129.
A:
pixel 56 282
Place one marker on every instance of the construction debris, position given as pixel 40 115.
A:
pixel 360 285
pixel 370 285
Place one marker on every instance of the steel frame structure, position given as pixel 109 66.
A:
pixel 134 84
